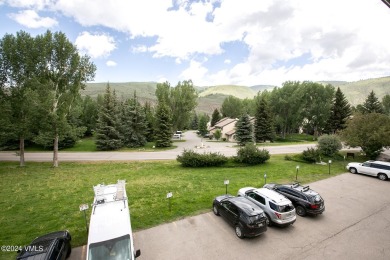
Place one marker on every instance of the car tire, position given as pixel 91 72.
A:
pixel 215 210
pixel 69 251
pixel 382 176
pixel 353 170
pixel 301 211
pixel 268 221
pixel 238 231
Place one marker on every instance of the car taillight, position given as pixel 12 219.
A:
pixel 314 206
pixel 278 214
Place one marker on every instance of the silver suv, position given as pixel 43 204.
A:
pixel 278 209
pixel 374 168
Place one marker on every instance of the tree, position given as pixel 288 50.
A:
pixel 89 115
pixel 18 72
pixel 244 130
pixel 231 107
pixel 63 73
pixel 217 134
pixel 285 104
pixel 194 121
pixel 386 104
pixel 369 131
pixel 340 112
pixel 263 126
pixel 163 132
pixel 329 145
pixel 150 122
pixel 108 136
pixel 372 104
pixel 215 117
pixel 203 125
pixel 133 123
pixel 181 101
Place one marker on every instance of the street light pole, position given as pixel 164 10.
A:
pixel 296 174
pixel 330 161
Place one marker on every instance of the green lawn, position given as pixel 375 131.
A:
pixel 38 199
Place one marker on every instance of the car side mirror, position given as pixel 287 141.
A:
pixel 137 253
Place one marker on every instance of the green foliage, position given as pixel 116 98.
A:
pixel 369 131
pixel 90 115
pixel 372 105
pixel 194 122
pixel 386 104
pixel 215 117
pixel 217 134
pixel 244 130
pixel 231 107
pixel 264 123
pixel 163 130
pixel 340 112
pixel 189 158
pixel 250 154
pixel 329 145
pixel 203 124
pixel 311 155
pixel 108 135
pixel 150 122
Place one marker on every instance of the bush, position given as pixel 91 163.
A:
pixel 189 158
pixel 311 155
pixel 250 154
pixel 329 144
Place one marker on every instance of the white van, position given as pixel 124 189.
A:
pixel 110 236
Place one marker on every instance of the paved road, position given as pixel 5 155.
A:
pixel 192 142
pixel 355 225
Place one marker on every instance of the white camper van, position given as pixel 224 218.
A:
pixel 110 236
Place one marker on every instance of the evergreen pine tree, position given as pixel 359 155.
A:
pixel 149 116
pixel 108 136
pixel 372 104
pixel 340 112
pixel 133 123
pixel 215 117
pixel 244 130
pixel 203 125
pixel 194 122
pixel 264 124
pixel 163 132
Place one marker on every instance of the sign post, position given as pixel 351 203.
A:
pixel 226 182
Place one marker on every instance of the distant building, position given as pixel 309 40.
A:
pixel 228 128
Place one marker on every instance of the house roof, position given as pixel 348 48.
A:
pixel 225 121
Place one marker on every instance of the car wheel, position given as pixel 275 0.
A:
pixel 239 231
pixel 382 176
pixel 300 211
pixel 215 210
pixel 69 251
pixel 353 170
pixel 268 221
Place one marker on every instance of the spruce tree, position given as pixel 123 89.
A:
pixel 163 132
pixel 149 116
pixel 264 124
pixel 372 104
pixel 215 117
pixel 244 130
pixel 340 112
pixel 108 136
pixel 194 122
pixel 133 123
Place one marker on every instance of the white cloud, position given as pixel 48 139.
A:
pixel 196 72
pixel 96 46
pixel 139 49
pixel 111 63
pixel 31 19
pixel 35 4
pixel 227 61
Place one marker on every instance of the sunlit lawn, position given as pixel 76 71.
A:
pixel 38 199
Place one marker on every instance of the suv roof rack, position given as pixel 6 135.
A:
pixel 295 184
pixel 306 188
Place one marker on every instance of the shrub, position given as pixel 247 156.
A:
pixel 329 144
pixel 250 154
pixel 311 155
pixel 189 158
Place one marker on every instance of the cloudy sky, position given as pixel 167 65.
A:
pixel 215 42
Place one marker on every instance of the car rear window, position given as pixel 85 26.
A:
pixel 281 208
pixel 315 199
pixel 255 219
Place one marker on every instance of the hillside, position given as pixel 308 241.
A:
pixel 229 90
pixel 212 97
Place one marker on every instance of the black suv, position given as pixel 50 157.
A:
pixel 305 200
pixel 55 245
pixel 247 218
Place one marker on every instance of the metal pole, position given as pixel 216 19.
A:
pixel 226 188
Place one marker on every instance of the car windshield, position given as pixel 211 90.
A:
pixel 114 249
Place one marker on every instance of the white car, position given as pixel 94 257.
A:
pixel 374 168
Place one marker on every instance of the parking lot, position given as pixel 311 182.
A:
pixel 355 225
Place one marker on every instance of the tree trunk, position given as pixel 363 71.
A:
pixel 21 152
pixel 55 152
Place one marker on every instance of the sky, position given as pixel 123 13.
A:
pixel 216 42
